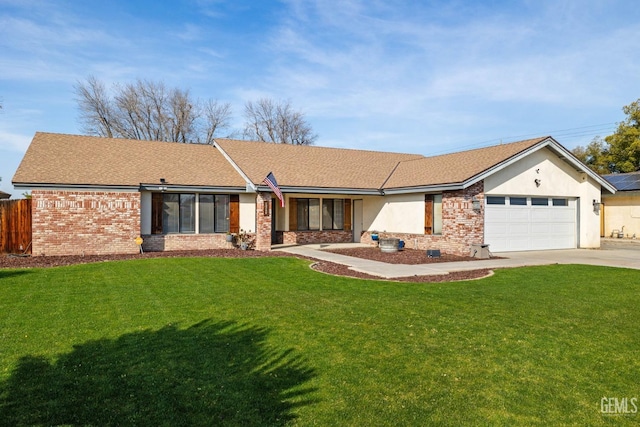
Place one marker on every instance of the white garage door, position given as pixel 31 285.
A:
pixel 515 223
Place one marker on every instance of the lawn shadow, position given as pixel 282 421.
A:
pixel 11 273
pixel 208 374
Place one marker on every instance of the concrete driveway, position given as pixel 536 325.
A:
pixel 624 254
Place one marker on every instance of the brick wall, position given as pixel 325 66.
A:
pixel 461 225
pixel 311 237
pixel 84 222
pixel 185 242
pixel 263 230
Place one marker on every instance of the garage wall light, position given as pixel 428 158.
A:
pixel 596 206
pixel 537 181
pixel 475 203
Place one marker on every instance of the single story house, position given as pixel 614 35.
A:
pixel 621 211
pixel 4 195
pixel 94 195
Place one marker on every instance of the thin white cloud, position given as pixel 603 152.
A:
pixel 15 142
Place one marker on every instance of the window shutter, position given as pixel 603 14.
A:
pixel 347 214
pixel 293 214
pixel 428 214
pixel 156 213
pixel 234 213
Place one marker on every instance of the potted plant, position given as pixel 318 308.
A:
pixel 230 236
pixel 374 236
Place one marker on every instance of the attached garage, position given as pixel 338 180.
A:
pixel 519 223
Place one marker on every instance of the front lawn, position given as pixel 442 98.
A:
pixel 267 341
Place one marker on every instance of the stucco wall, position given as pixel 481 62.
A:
pixel 622 210
pixel 557 179
pixel 403 217
pixel 248 212
pixel 403 213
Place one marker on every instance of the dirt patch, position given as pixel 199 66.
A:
pixel 9 261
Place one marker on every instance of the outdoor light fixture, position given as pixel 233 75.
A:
pixel 537 181
pixel 266 207
pixel 476 203
pixel 596 206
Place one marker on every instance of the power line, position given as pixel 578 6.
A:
pixel 565 134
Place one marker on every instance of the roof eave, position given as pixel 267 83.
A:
pixel 324 190
pixel 72 187
pixel 424 189
pixel 562 153
pixel 193 188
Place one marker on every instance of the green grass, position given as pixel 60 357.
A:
pixel 270 342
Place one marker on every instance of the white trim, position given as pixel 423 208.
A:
pixel 251 187
pixel 552 144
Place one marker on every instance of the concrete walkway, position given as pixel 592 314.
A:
pixel 618 255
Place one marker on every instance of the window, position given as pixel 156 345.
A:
pixel 179 213
pixel 176 213
pixel 308 214
pixel 222 203
pixel 518 201
pixel 539 201
pixel 187 213
pixel 495 200
pixel 560 202
pixel 433 214
pixel 207 213
pixel 171 213
pixel 332 214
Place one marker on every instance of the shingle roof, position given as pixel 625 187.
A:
pixel 58 159
pixel 4 195
pixel 312 166
pixel 455 167
pixel 86 160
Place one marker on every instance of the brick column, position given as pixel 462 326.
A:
pixel 263 230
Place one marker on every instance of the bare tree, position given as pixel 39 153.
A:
pixel 148 110
pixel 217 116
pixel 96 109
pixel 270 121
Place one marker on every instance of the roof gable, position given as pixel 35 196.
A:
pixel 454 168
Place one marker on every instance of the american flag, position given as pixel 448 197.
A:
pixel 270 180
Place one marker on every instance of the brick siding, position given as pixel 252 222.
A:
pixel 185 242
pixel 84 222
pixel 310 237
pixel 263 230
pixel 461 225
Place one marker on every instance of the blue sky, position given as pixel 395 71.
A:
pixel 423 77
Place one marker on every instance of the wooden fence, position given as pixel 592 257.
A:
pixel 15 226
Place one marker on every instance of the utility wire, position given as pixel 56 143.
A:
pixel 569 134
